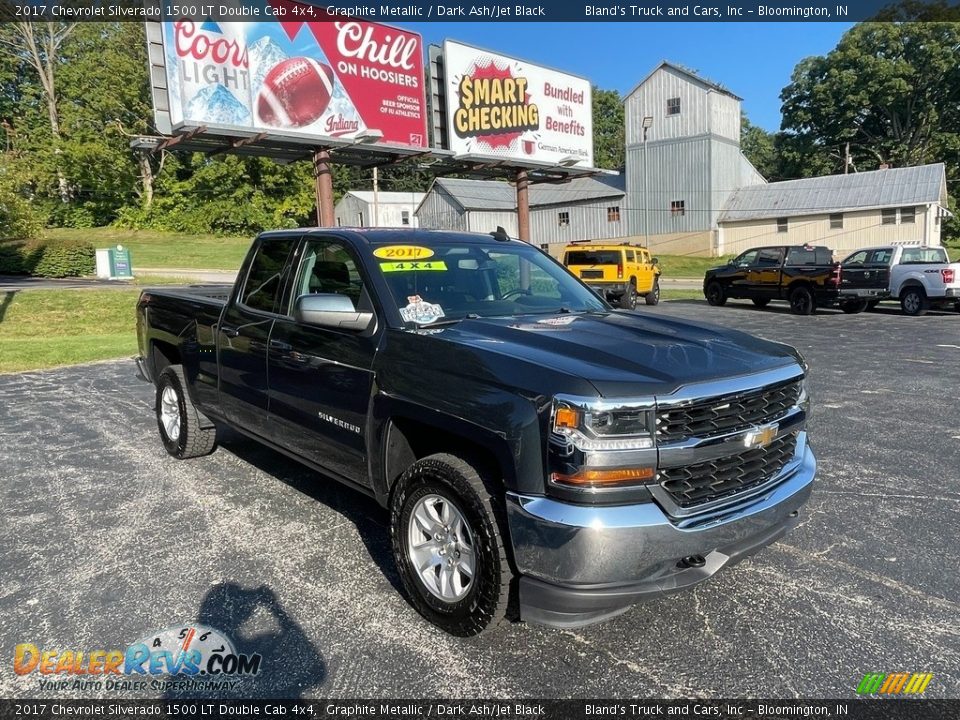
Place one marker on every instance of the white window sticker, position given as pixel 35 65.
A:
pixel 420 311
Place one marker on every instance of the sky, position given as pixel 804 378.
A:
pixel 753 60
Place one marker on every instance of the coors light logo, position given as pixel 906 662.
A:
pixel 214 69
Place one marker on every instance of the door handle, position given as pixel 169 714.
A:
pixel 230 332
pixel 282 346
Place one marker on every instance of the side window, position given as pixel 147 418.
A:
pixel 327 267
pixel 748 258
pixel 882 257
pixel 857 258
pixel 769 257
pixel 631 256
pixel 264 279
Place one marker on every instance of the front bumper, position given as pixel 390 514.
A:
pixel 580 564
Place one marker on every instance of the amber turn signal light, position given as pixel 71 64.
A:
pixel 602 478
pixel 566 418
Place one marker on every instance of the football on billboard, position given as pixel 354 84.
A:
pixel 295 92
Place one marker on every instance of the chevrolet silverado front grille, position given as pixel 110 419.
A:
pixel 726 414
pixel 704 482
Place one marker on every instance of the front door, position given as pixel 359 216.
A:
pixel 244 332
pixel 321 378
pixel 763 275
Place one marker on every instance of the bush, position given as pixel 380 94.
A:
pixel 18 219
pixel 48 258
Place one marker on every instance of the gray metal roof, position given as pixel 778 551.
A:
pixel 499 195
pixel 894 187
pixel 690 74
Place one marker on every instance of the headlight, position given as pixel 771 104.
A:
pixel 592 426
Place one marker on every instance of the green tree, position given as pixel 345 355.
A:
pixel 608 129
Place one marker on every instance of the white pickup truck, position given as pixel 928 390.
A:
pixel 919 276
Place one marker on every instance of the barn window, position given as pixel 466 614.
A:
pixel 673 106
pixel 888 216
pixel 836 221
pixel 405 217
pixel 678 207
pixel 908 215
pixel 563 219
pixel 781 225
pixel 613 214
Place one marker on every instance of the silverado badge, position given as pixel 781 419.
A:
pixel 761 437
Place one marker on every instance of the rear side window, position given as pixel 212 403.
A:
pixel 810 256
pixel 264 280
pixel 593 257
pixel 881 257
pixel 769 256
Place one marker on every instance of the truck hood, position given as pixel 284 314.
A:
pixel 624 354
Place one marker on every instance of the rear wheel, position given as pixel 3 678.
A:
pixel 653 297
pixel 445 527
pixel 628 301
pixel 913 301
pixel 715 294
pixel 801 301
pixel 872 304
pixel 761 302
pixel 184 430
pixel 852 307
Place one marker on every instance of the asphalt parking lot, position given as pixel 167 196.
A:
pixel 105 538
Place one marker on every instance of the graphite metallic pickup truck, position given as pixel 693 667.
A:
pixel 803 275
pixel 920 277
pixel 525 437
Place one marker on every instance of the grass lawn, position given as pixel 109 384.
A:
pixel 670 294
pixel 156 249
pixel 687 266
pixel 46 328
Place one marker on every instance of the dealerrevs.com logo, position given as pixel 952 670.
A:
pixel 188 656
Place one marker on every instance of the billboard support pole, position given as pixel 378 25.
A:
pixel 523 221
pixel 323 187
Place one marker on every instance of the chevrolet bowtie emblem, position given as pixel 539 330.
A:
pixel 761 437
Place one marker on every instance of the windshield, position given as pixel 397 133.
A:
pixel 593 257
pixel 454 281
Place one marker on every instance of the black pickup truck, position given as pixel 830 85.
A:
pixel 525 437
pixel 804 275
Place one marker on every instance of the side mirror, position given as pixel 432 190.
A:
pixel 655 261
pixel 329 310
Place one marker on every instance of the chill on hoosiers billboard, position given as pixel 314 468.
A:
pixel 332 78
pixel 501 106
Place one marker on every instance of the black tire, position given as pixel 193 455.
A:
pixel 715 294
pixel 456 481
pixel 801 301
pixel 761 302
pixel 913 302
pixel 653 297
pixel 628 301
pixel 852 307
pixel 872 304
pixel 196 435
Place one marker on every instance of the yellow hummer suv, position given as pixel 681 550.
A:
pixel 619 272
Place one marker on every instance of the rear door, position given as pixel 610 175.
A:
pixel 244 332
pixel 321 378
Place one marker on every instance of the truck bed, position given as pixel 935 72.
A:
pixel 216 294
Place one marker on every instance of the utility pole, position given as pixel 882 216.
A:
pixel 376 197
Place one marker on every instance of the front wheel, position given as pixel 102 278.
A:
pixel 715 294
pixel 653 297
pixel 184 431
pixel 913 302
pixel 801 301
pixel 445 528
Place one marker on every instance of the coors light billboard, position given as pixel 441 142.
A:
pixel 335 78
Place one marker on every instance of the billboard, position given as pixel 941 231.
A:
pixel 334 78
pixel 501 106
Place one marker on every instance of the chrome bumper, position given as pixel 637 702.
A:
pixel 581 564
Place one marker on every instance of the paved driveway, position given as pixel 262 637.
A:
pixel 105 538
